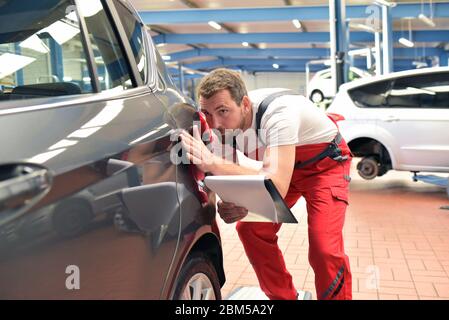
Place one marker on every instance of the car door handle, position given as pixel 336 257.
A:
pixel 21 186
pixel 390 119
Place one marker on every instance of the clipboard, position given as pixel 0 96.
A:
pixel 256 193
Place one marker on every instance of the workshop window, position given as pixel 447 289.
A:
pixel 112 68
pixel 43 55
pixel 134 33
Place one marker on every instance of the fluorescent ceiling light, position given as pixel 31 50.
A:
pixel 361 26
pixel 245 44
pixel 72 16
pixel 61 31
pixel 214 25
pixel 64 143
pixel 83 133
pixel 406 42
pixel 10 63
pixel 297 24
pixel 44 157
pixel 109 113
pixel 90 8
pixel 275 66
pixel 419 64
pixel 386 3
pixel 35 43
pixel 426 20
pixel 166 58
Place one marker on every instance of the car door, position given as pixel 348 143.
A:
pixel 416 116
pixel 88 201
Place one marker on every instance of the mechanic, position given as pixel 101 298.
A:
pixel 303 154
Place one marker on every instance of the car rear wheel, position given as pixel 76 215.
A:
pixel 198 280
pixel 317 96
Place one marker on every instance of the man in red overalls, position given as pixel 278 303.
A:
pixel 304 155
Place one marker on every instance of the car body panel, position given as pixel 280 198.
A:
pixel 120 214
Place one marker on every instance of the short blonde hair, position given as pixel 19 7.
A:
pixel 223 79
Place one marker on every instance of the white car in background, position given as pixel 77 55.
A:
pixel 320 87
pixel 398 121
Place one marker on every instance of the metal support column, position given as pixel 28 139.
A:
pixel 57 67
pixel 387 38
pixel 339 47
pixel 19 73
pixel 181 78
pixel 444 57
pixel 378 44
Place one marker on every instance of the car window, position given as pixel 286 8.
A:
pixel 420 91
pixel 353 75
pixel 326 75
pixel 371 95
pixel 41 51
pixel 134 32
pixel 112 68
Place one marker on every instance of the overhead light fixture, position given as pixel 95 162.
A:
pixel 426 20
pixel 10 63
pixel 386 3
pixel 214 25
pixel 35 43
pixel 245 44
pixel 297 24
pixel 361 26
pixel 166 58
pixel 60 31
pixel 406 42
pixel 420 64
pixel 275 66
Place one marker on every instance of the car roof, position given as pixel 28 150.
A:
pixel 400 74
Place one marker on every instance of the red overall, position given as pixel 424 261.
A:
pixel 324 185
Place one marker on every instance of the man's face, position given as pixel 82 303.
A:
pixel 222 112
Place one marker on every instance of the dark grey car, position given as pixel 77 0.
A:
pixel 94 203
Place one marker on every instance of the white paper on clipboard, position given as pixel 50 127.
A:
pixel 255 193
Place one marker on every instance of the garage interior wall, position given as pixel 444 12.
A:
pixel 288 80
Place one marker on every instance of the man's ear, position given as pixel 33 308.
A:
pixel 246 104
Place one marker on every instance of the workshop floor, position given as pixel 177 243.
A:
pixel 396 237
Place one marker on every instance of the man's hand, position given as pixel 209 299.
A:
pixel 197 152
pixel 231 213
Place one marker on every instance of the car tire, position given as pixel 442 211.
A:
pixel 317 96
pixel 368 168
pixel 198 280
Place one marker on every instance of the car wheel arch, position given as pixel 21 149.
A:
pixel 209 244
pixel 365 145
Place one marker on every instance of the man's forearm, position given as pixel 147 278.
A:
pixel 225 167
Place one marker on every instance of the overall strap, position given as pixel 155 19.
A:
pixel 266 102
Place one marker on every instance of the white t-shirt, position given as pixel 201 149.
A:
pixel 288 120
